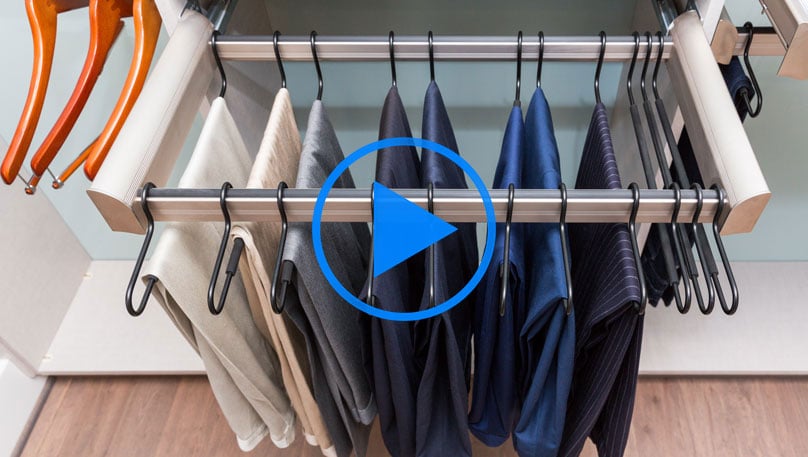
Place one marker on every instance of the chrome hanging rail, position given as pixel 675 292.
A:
pixel 453 205
pixel 467 48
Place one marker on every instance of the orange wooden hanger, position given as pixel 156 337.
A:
pixel 147 30
pixel 105 24
pixel 42 17
pixel 59 181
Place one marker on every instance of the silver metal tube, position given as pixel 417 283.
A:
pixel 464 48
pixel 765 43
pixel 469 48
pixel 453 205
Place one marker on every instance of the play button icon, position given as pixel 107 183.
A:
pixel 401 229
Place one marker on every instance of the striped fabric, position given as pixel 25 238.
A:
pixel 608 328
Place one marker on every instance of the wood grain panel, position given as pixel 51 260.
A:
pixel 170 416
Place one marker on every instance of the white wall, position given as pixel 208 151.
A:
pixel 41 269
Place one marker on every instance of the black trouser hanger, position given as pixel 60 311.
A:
pixel 706 258
pixel 673 278
pixel 686 264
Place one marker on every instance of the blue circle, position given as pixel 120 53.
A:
pixel 489 217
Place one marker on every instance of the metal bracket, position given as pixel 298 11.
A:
pixel 666 12
pixel 220 13
pixel 790 21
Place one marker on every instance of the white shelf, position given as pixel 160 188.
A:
pixel 97 336
pixel 765 336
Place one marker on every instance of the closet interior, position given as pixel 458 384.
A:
pixel 73 273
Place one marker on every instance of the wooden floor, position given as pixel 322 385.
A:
pixel 173 416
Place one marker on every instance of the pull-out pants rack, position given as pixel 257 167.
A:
pixel 453 205
pixel 149 145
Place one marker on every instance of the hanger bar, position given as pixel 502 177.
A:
pixel 469 48
pixel 453 205
pixel 765 42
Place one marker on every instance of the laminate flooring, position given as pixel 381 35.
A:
pixel 178 416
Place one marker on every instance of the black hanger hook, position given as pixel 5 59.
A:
pixel 728 309
pixel 390 39
pixel 505 270
pixel 600 65
pixel 371 300
pixel 541 59
pixel 660 51
pixel 630 77
pixel 648 46
pixel 144 204
pixel 278 303
pixel 750 30
pixel 632 228
pixel 682 305
pixel 275 37
pixel 313 41
pixel 431 58
pixel 213 40
pixel 706 308
pixel 431 270
pixel 517 99
pixel 565 248
pixel 232 265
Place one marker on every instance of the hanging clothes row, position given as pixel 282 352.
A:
pixel 524 346
pixel 518 358
pixel 420 370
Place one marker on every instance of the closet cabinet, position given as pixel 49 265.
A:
pixel 62 311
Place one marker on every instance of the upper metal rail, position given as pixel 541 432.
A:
pixel 464 48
